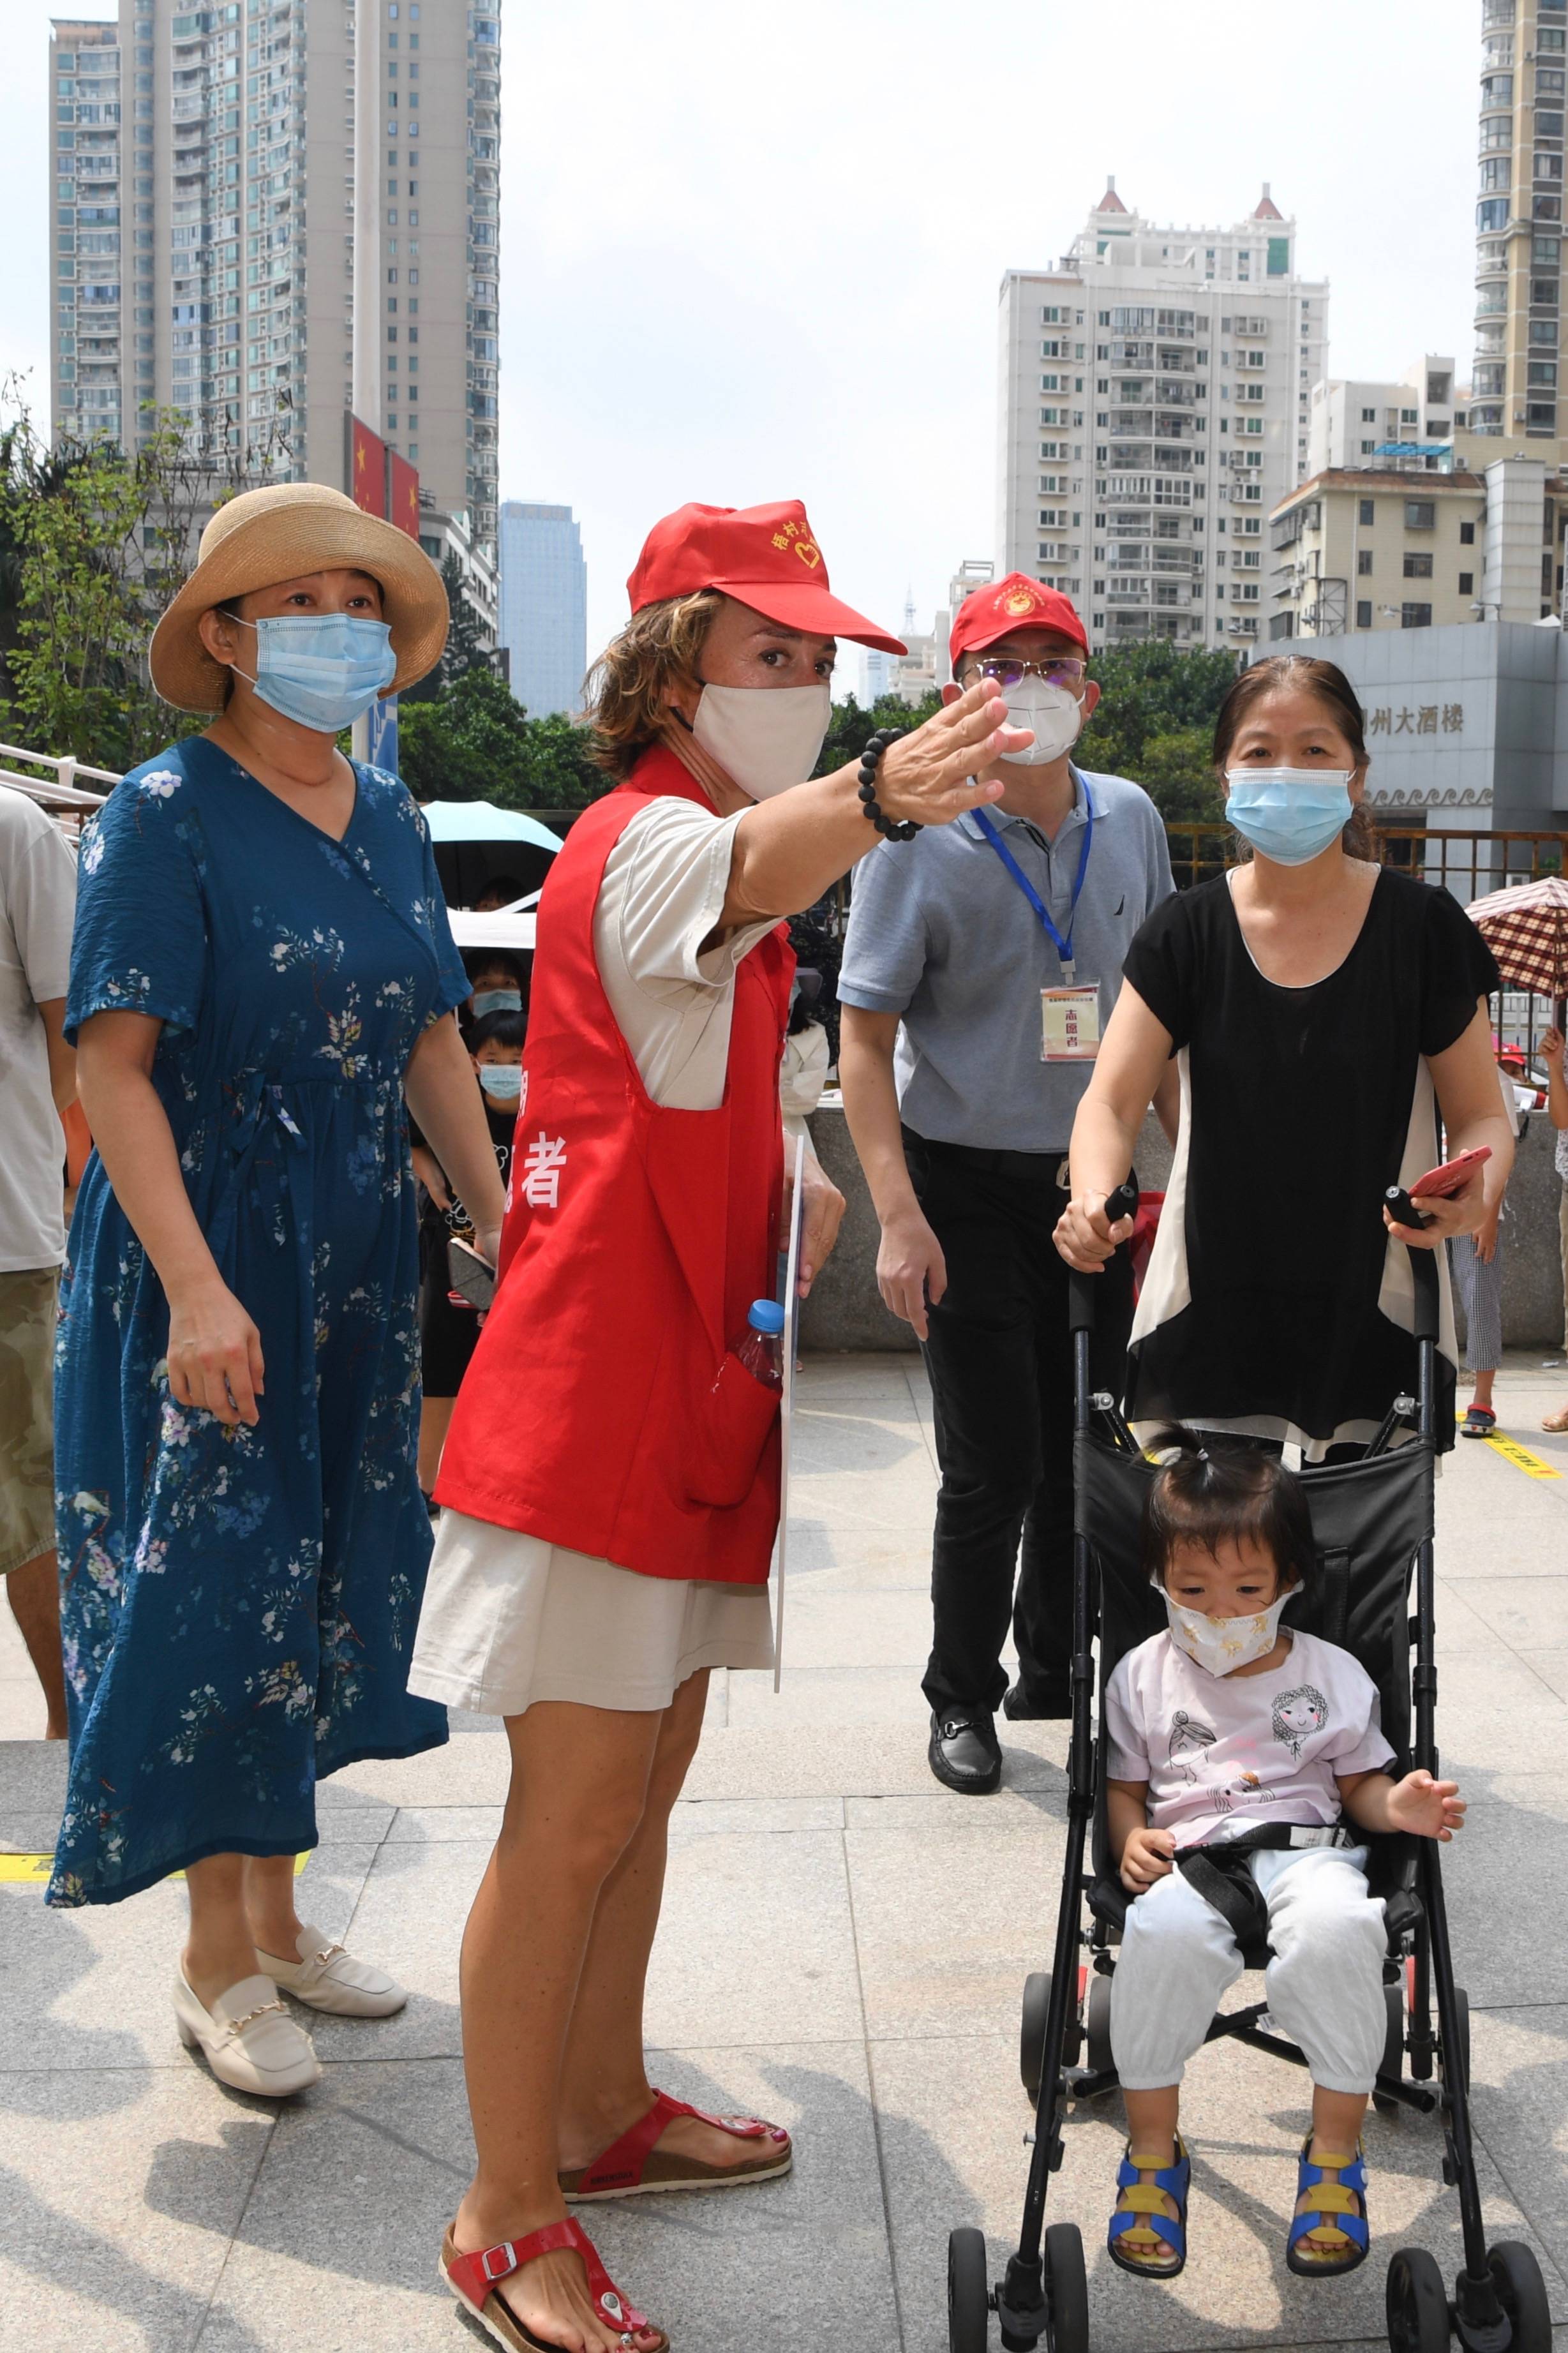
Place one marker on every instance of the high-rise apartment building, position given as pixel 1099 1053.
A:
pixel 203 208
pixel 1152 410
pixel 1519 220
pixel 544 605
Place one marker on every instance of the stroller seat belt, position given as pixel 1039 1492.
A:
pixel 1219 1872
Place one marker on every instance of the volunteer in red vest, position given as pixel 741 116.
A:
pixel 609 1490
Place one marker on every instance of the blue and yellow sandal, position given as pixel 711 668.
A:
pixel 1339 2215
pixel 1160 2239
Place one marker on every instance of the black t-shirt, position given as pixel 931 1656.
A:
pixel 1275 1300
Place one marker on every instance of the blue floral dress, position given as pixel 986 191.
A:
pixel 239 1604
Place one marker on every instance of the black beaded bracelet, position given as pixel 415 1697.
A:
pixel 869 759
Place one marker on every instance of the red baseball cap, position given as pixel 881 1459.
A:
pixel 766 557
pixel 1016 603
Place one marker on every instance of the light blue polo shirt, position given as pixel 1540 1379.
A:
pixel 941 934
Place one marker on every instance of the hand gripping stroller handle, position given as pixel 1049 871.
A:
pixel 1423 1264
pixel 1122 1203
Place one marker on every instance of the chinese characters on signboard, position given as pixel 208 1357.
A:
pixel 1426 719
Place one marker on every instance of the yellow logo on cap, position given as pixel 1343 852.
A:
pixel 809 553
pixel 1020 600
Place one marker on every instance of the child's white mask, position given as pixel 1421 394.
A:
pixel 1223 1644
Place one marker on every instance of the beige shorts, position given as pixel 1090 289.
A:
pixel 510 1621
pixel 27 1415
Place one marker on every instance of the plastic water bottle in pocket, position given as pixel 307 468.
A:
pixel 759 1346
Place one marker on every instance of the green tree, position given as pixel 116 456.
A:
pixel 850 728
pixel 1155 722
pixel 93 543
pixel 474 740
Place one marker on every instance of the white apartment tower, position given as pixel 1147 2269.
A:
pixel 1519 220
pixel 1153 408
pixel 203 209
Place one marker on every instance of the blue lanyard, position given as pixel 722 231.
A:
pixel 1062 947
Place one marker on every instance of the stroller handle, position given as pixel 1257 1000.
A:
pixel 1122 1203
pixel 1423 1264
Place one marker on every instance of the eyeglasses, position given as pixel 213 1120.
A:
pixel 1009 674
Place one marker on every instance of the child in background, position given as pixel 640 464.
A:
pixel 449 1332
pixel 1220 1730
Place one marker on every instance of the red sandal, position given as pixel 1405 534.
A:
pixel 634 2167
pixel 475 2281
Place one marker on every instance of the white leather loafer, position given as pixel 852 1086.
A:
pixel 251 2041
pixel 326 1976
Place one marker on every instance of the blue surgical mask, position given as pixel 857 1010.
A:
pixel 321 669
pixel 1289 815
pixel 501 1080
pixel 496 1000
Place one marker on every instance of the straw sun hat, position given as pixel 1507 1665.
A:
pixel 282 533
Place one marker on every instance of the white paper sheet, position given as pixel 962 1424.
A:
pixel 788 1342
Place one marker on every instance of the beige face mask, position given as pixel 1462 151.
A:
pixel 1223 1644
pixel 766 738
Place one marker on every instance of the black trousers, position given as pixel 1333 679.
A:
pixel 1000 1362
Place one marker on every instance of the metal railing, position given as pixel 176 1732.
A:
pixel 63 794
pixel 1470 864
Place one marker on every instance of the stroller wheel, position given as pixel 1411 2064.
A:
pixel 1521 2292
pixel 1098 2022
pixel 1067 2288
pixel 1416 2304
pixel 968 2292
pixel 1032 2034
pixel 1462 2004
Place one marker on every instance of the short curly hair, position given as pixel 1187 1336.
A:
pixel 625 693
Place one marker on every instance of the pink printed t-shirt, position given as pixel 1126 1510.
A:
pixel 1227 1754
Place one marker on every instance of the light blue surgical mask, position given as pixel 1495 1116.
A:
pixel 501 1080
pixel 321 669
pixel 1289 815
pixel 496 1000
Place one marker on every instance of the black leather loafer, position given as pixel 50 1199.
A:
pixel 964 1753
pixel 1044 1703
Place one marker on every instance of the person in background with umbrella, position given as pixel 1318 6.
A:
pixel 1477 1262
pixel 1526 928
pixel 1557 1110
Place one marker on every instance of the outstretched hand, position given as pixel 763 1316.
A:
pixel 929 773
pixel 1424 1808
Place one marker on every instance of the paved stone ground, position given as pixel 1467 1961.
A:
pixel 844 1949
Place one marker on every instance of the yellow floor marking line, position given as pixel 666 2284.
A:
pixel 1520 1457
pixel 33 1869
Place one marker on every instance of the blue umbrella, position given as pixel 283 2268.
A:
pixel 482 822
pixel 477 844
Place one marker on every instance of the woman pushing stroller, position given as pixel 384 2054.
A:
pixel 1222 1731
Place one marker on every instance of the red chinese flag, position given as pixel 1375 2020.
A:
pixel 404 510
pixel 367 467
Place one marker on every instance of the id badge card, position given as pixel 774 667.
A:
pixel 1069 1023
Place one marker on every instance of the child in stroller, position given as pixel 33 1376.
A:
pixel 1234 1746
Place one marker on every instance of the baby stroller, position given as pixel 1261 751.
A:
pixel 1373 1524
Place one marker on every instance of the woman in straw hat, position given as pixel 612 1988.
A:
pixel 260 968
pixel 611 1483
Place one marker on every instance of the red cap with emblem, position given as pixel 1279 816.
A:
pixel 1016 603
pixel 766 557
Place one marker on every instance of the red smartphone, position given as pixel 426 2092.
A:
pixel 1438 1183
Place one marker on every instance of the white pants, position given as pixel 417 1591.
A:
pixel 1324 1983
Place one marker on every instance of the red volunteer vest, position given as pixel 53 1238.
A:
pixel 602 1411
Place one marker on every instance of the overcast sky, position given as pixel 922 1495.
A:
pixel 752 253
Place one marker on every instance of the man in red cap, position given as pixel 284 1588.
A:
pixel 974 985
pixel 609 1490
